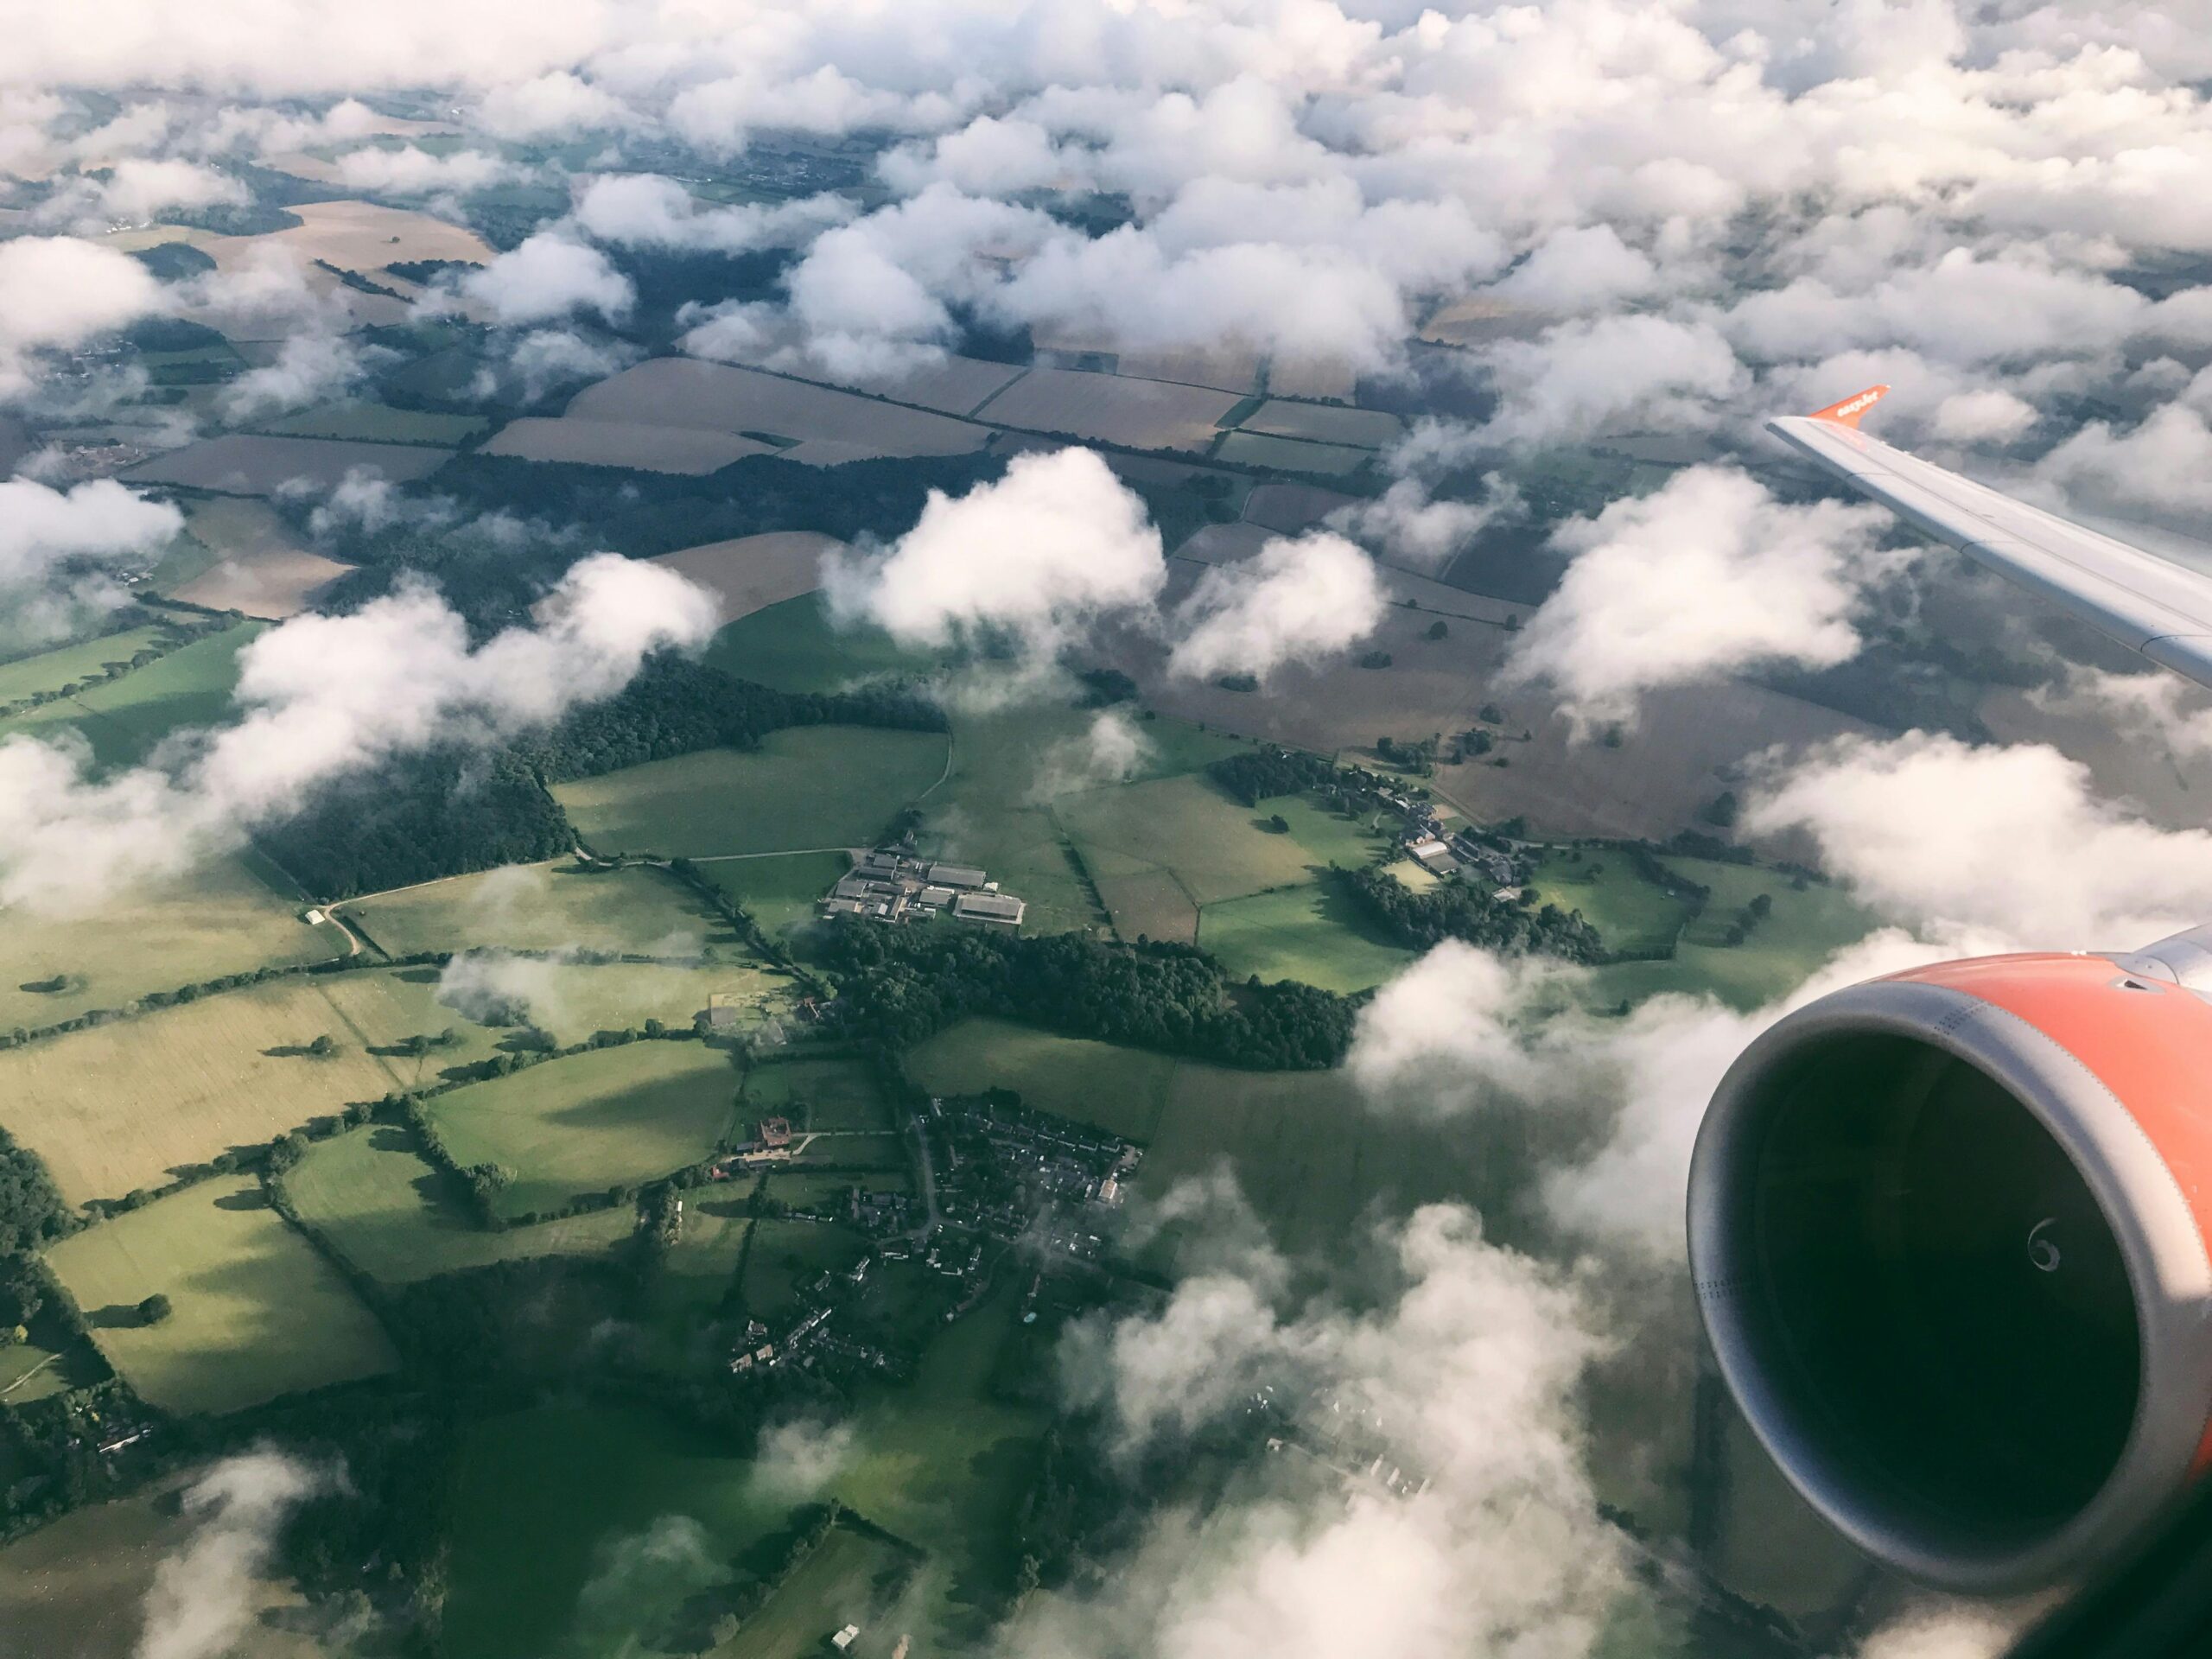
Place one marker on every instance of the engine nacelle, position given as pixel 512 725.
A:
pixel 1948 1231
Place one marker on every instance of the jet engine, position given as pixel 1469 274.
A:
pixel 1948 1231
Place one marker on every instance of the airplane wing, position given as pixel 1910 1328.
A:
pixel 2150 604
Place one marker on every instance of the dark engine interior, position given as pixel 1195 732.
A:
pixel 1936 1291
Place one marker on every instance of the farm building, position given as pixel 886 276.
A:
pixel 1000 909
pixel 956 875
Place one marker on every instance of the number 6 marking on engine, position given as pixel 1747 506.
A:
pixel 2041 1251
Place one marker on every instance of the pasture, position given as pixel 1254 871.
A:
pixel 815 1094
pixel 1630 911
pixel 243 464
pixel 77 1586
pixel 1314 934
pixel 49 670
pixel 377 423
pixel 124 719
pixel 637 445
pixel 793 646
pixel 684 1298
pixel 802 790
pixel 1123 1089
pixel 1137 414
pixel 787 1255
pixel 611 1117
pixel 719 397
pixel 125 1105
pixel 559 904
pixel 257 1312
pixel 1360 429
pixel 781 891
pixel 1278 455
pixel 399 1219
pixel 1214 847
pixel 753 572
pixel 835 1587
pixel 226 919
pixel 943 1463
pixel 538 1539
pixel 1806 927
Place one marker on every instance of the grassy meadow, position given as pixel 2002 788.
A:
pixel 122 719
pixel 257 1312
pixel 815 1094
pixel 822 786
pixel 234 915
pixel 49 670
pixel 1315 934
pixel 399 1219
pixel 611 1117
pixel 781 891
pixel 559 904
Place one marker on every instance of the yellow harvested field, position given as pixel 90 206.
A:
pixel 1150 903
pixel 223 921
pixel 721 398
pixel 1185 827
pixel 357 236
pixel 239 464
pixel 555 905
pixel 692 450
pixel 1229 368
pixel 256 1312
pixel 1141 414
pixel 127 1104
pixel 754 572
pixel 1328 378
pixel 955 384
pixel 260 567
pixel 1365 428
pixel 1479 319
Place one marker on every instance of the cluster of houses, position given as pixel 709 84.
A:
pixel 1005 1171
pixel 891 886
pixel 999 1174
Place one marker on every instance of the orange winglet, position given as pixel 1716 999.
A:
pixel 1847 412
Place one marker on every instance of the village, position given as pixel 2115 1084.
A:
pixel 996 1179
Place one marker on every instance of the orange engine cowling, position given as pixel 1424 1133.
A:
pixel 1948 1231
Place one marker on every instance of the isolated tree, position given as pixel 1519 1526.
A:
pixel 1437 630
pixel 1722 810
pixel 286 1151
pixel 154 1309
pixel 323 1047
pixel 1760 907
pixel 1280 824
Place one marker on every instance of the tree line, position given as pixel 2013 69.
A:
pixel 1456 910
pixel 450 810
pixel 903 984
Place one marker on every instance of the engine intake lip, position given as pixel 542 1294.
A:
pixel 2168 1273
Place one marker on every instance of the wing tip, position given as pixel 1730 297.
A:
pixel 1852 409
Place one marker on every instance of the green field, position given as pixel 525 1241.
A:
pixel 611 1117
pixel 127 1104
pixel 124 719
pixel 545 1502
pixel 574 1000
pixel 792 647
pixel 685 1296
pixel 943 1464
pixel 1124 1089
pixel 1630 910
pixel 782 893
pixel 257 1312
pixel 1316 934
pixel 552 907
pixel 1805 929
pixel 397 1219
pixel 233 915
pixel 834 1587
pixel 802 790
pixel 1309 1154
pixel 49 670
pixel 376 423
pixel 815 1094
pixel 786 1255
pixel 1160 850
